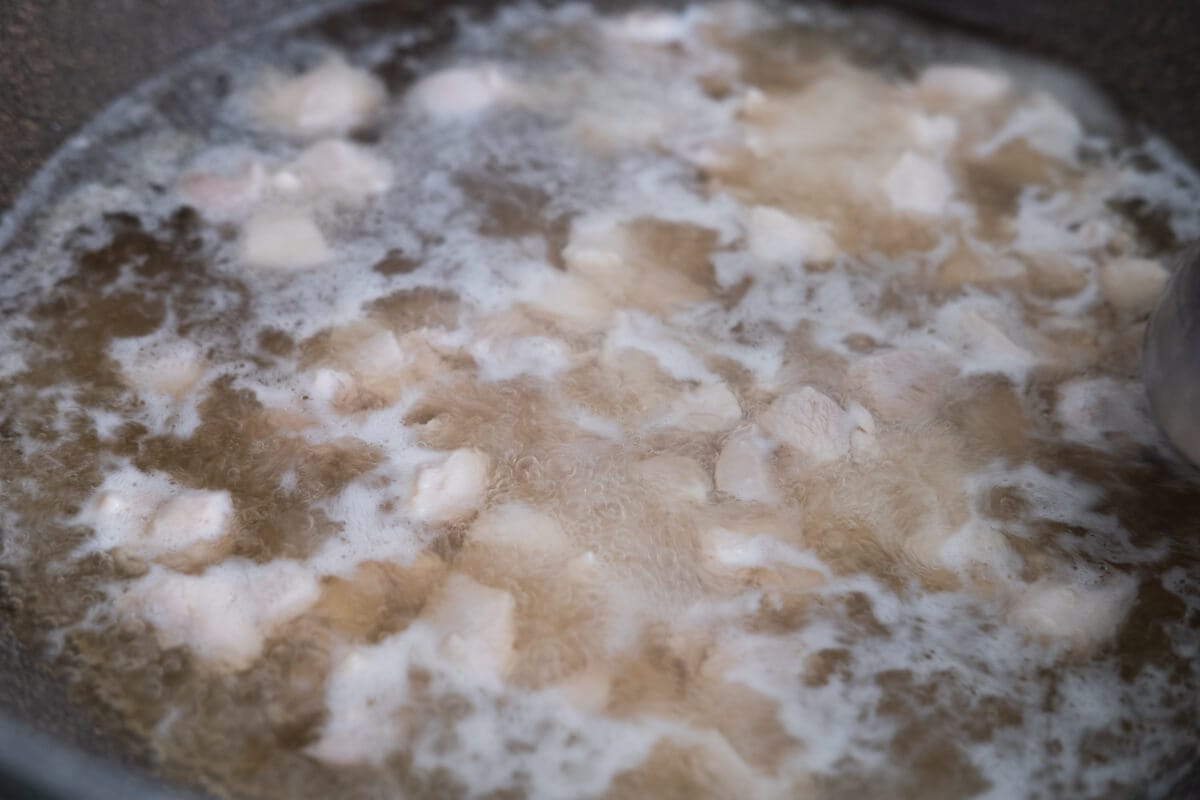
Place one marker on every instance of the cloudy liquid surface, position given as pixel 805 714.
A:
pixel 725 402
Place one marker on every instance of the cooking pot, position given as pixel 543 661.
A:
pixel 61 61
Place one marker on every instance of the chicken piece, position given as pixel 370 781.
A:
pixel 815 426
pixel 366 689
pixel 962 83
pixel 709 408
pixel 901 385
pixel 225 197
pixel 653 28
pixel 338 169
pixel 919 185
pixel 935 133
pixel 460 93
pixel 575 301
pixel 675 477
pixel 283 240
pixel 475 625
pixel 331 99
pixel 744 468
pixel 147 517
pixel 516 526
pixel 225 613
pixel 186 530
pixel 1081 616
pixel 451 489
pixel 170 368
pixel 779 239
pixel 1133 285
pixel 1044 124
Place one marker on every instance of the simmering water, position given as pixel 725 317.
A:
pixel 729 401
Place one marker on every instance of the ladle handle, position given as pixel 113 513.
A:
pixel 1171 357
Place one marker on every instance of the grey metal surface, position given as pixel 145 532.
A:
pixel 1171 358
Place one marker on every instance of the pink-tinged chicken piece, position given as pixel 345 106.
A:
pixel 744 467
pixel 187 529
pixel 1133 285
pixel 225 197
pixel 224 614
pixel 460 93
pixel 1080 616
pixel 933 132
pixel 332 99
pixel 338 170
pixel 475 626
pixel 170 368
pixel 283 240
pixel 901 385
pixel 147 517
pixel 451 489
pixel 815 426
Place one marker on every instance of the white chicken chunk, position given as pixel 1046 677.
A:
pixel 658 28
pixel 964 83
pixel 1133 284
pixel 147 517
pixel 338 169
pixel 1081 616
pixel 475 625
pixel 744 467
pixel 224 614
pixel 460 93
pixel 166 367
pixel 573 300
pixel 901 385
pixel 1044 124
pixel 225 197
pixel 451 489
pixel 777 238
pixel 517 526
pixel 283 240
pixel 933 132
pixel 331 99
pixel 708 408
pixel 815 425
pixel 919 185
pixel 189 519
